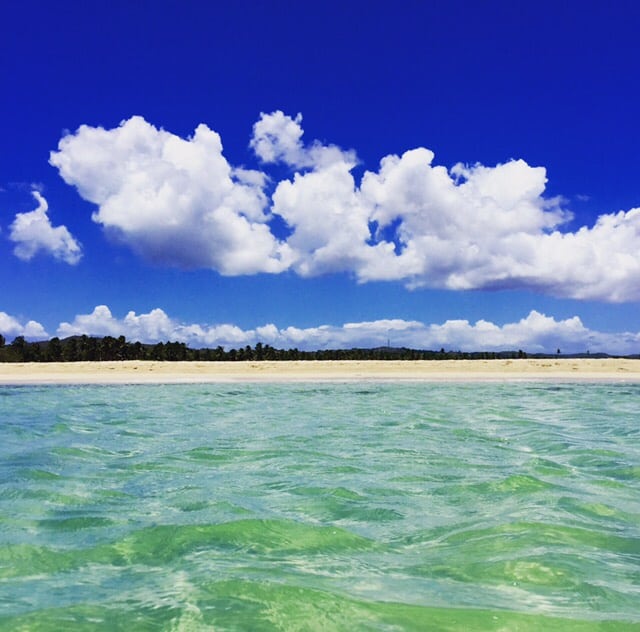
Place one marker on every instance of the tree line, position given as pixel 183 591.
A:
pixel 108 348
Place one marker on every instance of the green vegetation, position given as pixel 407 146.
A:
pixel 87 348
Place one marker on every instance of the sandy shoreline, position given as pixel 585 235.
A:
pixel 149 372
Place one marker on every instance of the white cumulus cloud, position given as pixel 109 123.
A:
pixel 277 137
pixel 179 202
pixel 155 326
pixel 467 227
pixel 534 333
pixel 10 327
pixel 453 227
pixel 173 200
pixel 32 232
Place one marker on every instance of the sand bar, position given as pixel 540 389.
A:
pixel 149 372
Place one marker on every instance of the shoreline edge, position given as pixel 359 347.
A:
pixel 156 372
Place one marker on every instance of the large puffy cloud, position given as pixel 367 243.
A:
pixel 330 225
pixel 453 227
pixel 10 326
pixel 173 200
pixel 468 227
pixel 534 333
pixel 180 202
pixel 322 205
pixel 32 232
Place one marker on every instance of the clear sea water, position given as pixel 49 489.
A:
pixel 320 507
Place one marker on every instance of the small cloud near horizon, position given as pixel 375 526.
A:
pixel 534 333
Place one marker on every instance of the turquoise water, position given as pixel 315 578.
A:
pixel 320 507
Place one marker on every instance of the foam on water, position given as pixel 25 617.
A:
pixel 329 507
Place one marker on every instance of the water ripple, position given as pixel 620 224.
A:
pixel 332 507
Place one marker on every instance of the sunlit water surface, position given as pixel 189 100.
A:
pixel 320 507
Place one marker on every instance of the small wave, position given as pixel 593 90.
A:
pixel 75 523
pixel 241 604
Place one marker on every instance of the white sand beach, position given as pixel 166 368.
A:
pixel 147 372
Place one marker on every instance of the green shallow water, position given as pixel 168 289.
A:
pixel 320 507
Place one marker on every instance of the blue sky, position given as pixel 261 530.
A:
pixel 320 176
